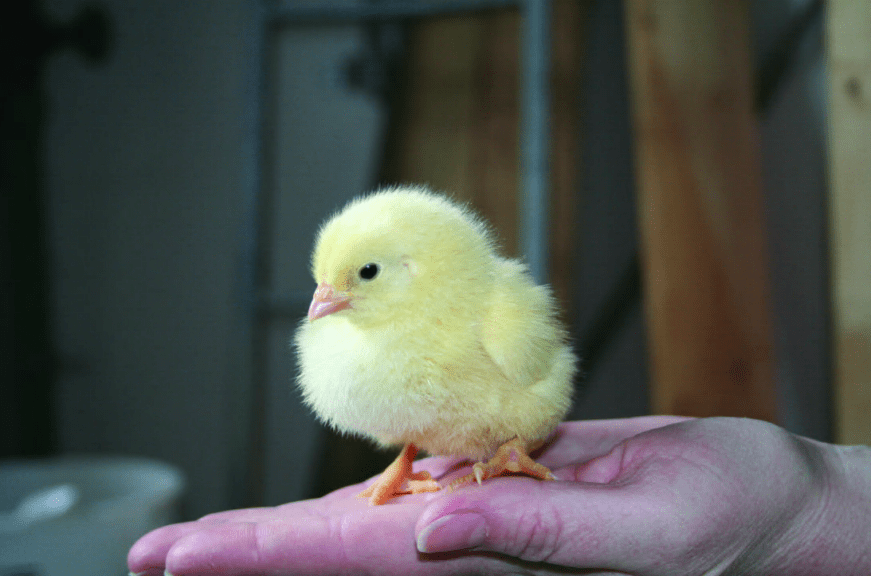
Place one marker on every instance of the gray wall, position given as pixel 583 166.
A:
pixel 144 176
pixel 147 185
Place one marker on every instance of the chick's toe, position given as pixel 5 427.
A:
pixel 398 479
pixel 511 457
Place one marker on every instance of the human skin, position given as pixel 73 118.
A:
pixel 644 496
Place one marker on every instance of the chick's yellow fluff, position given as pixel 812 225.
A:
pixel 450 346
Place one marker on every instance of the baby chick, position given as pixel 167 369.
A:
pixel 420 335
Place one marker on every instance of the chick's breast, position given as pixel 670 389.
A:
pixel 368 382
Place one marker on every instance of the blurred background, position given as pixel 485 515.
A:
pixel 166 165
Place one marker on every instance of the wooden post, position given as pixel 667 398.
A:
pixel 849 57
pixel 700 208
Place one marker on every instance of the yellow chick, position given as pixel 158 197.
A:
pixel 420 335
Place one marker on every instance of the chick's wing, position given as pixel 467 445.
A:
pixel 521 331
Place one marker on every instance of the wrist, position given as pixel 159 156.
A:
pixel 855 467
pixel 832 532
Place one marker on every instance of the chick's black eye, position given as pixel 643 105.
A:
pixel 369 271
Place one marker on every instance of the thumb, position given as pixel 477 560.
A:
pixel 561 523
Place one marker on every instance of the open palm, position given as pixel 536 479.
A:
pixel 646 496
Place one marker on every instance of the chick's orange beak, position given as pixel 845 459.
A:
pixel 326 301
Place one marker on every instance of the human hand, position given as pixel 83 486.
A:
pixel 642 496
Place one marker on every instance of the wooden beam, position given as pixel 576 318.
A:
pixel 700 208
pixel 849 58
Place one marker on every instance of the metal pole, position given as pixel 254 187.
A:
pixel 534 147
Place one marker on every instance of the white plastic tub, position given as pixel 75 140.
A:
pixel 78 516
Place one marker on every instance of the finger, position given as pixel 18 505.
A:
pixel 558 523
pixel 304 542
pixel 582 440
pixel 240 515
pixel 148 554
pixel 572 446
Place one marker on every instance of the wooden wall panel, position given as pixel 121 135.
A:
pixel 700 208
pixel 459 120
pixel 849 58
pixel 567 71
pixel 430 141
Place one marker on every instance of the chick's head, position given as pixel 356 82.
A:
pixel 400 254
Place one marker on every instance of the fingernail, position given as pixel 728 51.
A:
pixel 453 532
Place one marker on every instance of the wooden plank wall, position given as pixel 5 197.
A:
pixel 458 123
pixel 849 62
pixel 698 175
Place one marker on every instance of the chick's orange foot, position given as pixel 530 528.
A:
pixel 398 479
pixel 510 457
